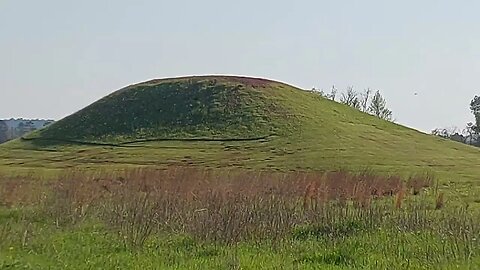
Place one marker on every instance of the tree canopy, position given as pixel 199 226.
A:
pixel 378 107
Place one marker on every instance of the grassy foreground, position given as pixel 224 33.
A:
pixel 203 219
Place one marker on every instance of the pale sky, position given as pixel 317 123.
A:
pixel 57 56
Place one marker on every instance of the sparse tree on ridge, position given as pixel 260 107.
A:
pixel 378 107
pixel 333 93
pixel 362 101
pixel 350 98
pixel 365 99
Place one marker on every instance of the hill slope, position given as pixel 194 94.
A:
pixel 220 121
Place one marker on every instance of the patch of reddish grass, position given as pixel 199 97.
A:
pixel 20 191
pixel 255 82
pixel 313 187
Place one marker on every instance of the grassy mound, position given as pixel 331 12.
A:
pixel 184 108
pixel 220 121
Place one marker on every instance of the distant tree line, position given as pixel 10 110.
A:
pixel 15 128
pixel 470 134
pixel 367 101
pixel 3 131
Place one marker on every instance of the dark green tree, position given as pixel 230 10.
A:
pixel 475 108
pixel 378 107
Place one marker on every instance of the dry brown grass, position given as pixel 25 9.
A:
pixel 440 201
pixel 19 191
pixel 314 187
pixel 399 199
pixel 227 206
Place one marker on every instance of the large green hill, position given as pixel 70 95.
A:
pixel 221 121
pixel 184 108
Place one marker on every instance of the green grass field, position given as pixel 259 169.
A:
pixel 256 147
